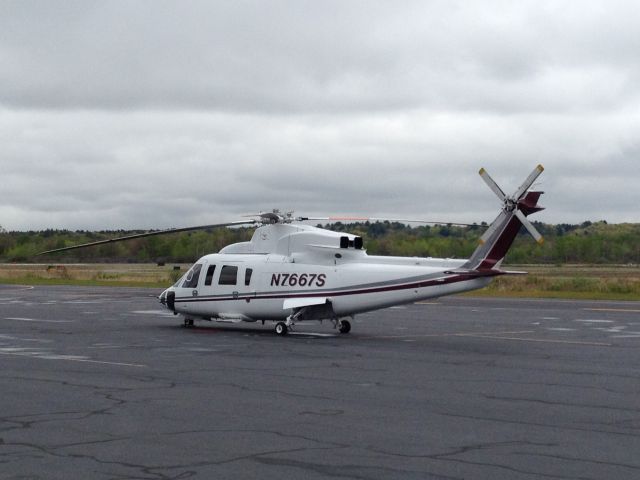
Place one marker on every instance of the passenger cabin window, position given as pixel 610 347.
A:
pixel 247 276
pixel 228 275
pixel 209 278
pixel 193 275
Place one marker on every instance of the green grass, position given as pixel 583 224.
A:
pixel 29 280
pixel 587 282
pixel 116 275
pixel 566 295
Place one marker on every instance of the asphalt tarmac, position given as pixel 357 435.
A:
pixel 102 383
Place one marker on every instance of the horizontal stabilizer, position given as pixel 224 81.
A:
pixel 483 273
pixel 462 271
pixel 513 272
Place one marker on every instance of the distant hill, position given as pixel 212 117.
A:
pixel 591 243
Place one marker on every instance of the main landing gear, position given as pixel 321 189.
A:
pixel 343 326
pixel 281 328
pixel 188 322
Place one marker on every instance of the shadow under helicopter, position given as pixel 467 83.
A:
pixel 236 330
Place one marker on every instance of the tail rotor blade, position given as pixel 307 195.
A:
pixel 529 226
pixel 491 230
pixel 486 235
pixel 528 182
pixel 492 185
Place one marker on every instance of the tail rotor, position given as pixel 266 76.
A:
pixel 499 237
pixel 514 203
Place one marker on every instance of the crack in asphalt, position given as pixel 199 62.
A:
pixel 558 403
pixel 156 471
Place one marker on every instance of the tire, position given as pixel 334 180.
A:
pixel 281 328
pixel 344 326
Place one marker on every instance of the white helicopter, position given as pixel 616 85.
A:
pixel 290 272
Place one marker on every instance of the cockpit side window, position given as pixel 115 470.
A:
pixel 209 278
pixel 228 275
pixel 192 277
pixel 247 276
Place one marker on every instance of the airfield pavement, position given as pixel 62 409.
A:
pixel 102 383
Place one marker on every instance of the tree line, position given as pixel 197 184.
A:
pixel 593 243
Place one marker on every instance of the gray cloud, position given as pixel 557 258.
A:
pixel 158 114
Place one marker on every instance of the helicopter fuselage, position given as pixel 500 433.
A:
pixel 295 272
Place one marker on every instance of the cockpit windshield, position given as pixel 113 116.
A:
pixel 192 277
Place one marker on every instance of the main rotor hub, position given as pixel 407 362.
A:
pixel 275 216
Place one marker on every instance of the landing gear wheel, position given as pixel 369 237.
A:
pixel 281 328
pixel 344 326
pixel 188 322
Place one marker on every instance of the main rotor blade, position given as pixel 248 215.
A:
pixel 529 226
pixel 374 219
pixel 528 182
pixel 492 185
pixel 149 234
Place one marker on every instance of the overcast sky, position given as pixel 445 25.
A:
pixel 159 114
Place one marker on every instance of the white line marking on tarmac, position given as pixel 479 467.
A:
pixel 498 336
pixel 463 334
pixel 631 310
pixel 550 318
pixel 22 319
pixel 616 329
pixel 24 352
pixel 560 329
pixel 543 340
pixel 11 337
pixel 627 335
pixel 593 321
pixel 160 313
pixel 19 288
pixel 84 302
pixel 310 334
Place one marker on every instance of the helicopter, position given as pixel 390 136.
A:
pixel 291 272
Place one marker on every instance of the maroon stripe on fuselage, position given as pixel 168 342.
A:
pixel 338 293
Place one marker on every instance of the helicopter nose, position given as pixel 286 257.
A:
pixel 167 298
